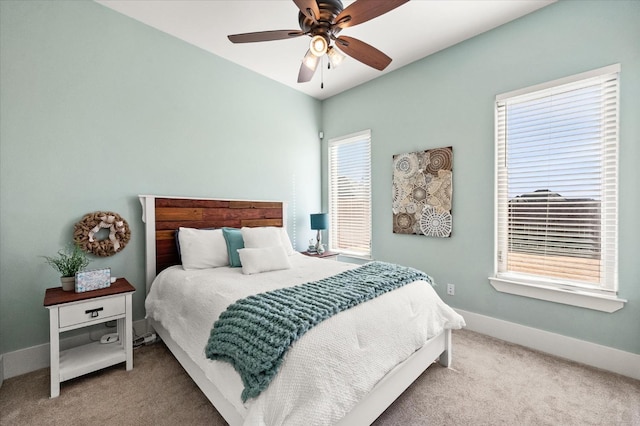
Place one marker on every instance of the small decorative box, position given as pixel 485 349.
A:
pixel 93 280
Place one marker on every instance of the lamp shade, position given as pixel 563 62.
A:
pixel 318 45
pixel 310 61
pixel 335 57
pixel 319 221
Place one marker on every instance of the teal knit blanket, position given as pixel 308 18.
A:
pixel 254 333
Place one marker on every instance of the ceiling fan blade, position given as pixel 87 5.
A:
pixel 264 36
pixel 364 10
pixel 305 74
pixel 308 8
pixel 308 67
pixel 363 52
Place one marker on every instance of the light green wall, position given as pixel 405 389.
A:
pixel 447 100
pixel 96 108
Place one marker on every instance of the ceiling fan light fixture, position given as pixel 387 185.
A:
pixel 318 45
pixel 335 57
pixel 310 60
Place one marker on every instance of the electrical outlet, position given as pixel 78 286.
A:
pixel 451 289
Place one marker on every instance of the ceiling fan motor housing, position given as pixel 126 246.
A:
pixel 329 9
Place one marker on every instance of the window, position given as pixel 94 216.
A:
pixel 350 194
pixel 556 195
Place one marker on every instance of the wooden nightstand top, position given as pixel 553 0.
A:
pixel 57 296
pixel 325 254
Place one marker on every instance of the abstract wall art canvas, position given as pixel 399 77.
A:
pixel 422 192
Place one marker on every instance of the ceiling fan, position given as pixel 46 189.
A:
pixel 322 20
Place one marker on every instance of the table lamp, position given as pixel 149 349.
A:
pixel 319 222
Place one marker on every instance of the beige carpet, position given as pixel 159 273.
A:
pixel 491 383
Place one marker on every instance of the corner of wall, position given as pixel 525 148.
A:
pixel 1 370
pixel 583 352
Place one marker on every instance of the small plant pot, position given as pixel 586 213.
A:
pixel 68 283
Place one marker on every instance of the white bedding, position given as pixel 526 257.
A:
pixel 331 367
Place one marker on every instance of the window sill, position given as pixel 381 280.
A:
pixel 583 299
pixel 352 258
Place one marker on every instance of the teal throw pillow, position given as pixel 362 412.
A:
pixel 234 240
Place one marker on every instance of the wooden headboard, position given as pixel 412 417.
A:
pixel 163 215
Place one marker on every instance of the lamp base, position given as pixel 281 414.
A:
pixel 319 248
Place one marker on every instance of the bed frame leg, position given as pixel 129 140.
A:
pixel 445 357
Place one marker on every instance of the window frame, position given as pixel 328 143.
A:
pixel 538 286
pixel 334 226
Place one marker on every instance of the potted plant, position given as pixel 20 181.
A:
pixel 69 261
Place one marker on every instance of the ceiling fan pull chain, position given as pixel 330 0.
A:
pixel 322 73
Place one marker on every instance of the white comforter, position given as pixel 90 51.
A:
pixel 331 367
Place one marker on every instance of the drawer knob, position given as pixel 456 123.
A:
pixel 93 312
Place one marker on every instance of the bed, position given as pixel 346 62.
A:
pixel 313 389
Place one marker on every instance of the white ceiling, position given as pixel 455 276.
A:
pixel 411 32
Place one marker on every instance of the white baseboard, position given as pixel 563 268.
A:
pixel 36 357
pixel 592 354
pixel 626 363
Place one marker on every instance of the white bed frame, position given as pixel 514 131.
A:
pixel 386 391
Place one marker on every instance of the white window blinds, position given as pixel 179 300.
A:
pixel 557 148
pixel 350 194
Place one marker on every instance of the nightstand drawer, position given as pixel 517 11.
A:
pixel 91 310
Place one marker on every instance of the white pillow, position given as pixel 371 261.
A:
pixel 286 241
pixel 265 259
pixel 202 248
pixel 267 236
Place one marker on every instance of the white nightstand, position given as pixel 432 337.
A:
pixel 69 310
